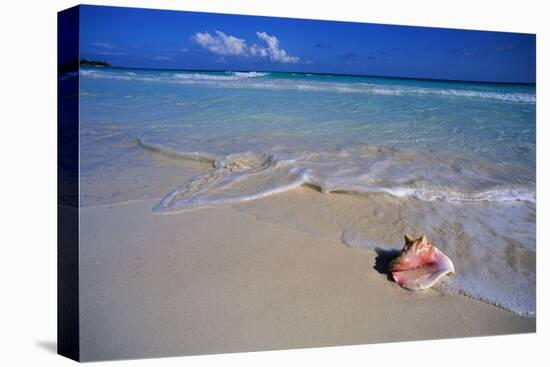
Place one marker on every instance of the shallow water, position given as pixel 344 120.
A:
pixel 457 158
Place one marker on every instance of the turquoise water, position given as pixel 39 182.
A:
pixel 195 139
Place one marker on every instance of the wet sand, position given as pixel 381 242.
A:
pixel 225 279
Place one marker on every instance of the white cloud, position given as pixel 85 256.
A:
pixel 162 58
pixel 223 44
pixel 256 50
pixel 220 43
pixel 276 53
pixel 110 53
pixel 104 45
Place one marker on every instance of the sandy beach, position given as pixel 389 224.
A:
pixel 242 189
pixel 231 279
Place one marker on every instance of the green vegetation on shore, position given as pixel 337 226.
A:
pixel 74 65
pixel 93 63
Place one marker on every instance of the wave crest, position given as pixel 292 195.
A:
pixel 257 80
pixel 250 175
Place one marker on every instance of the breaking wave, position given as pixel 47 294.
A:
pixel 215 77
pixel 249 175
pixel 257 80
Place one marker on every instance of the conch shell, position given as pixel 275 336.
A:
pixel 419 264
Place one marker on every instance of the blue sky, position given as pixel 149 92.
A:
pixel 187 40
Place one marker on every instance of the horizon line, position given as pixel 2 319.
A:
pixel 312 73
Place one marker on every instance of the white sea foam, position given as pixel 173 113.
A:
pixel 250 80
pixel 492 246
pixel 197 77
pixel 243 176
pixel 250 74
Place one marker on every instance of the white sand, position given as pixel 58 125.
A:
pixel 220 280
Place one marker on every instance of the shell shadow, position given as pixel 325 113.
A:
pixel 383 259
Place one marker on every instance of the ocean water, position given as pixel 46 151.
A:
pixel 457 158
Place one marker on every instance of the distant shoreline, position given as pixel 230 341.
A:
pixel 84 62
pixel 315 73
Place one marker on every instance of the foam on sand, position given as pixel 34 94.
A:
pixel 364 169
